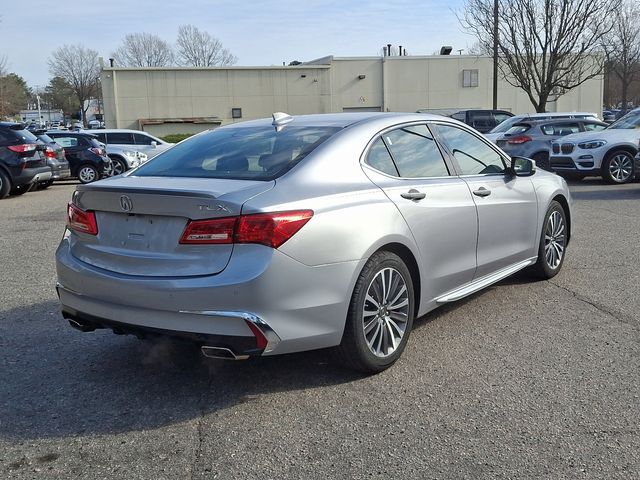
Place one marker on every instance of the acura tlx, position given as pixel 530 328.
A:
pixel 297 233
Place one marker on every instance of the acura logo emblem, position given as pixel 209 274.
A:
pixel 125 203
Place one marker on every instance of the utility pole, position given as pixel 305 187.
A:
pixel 495 54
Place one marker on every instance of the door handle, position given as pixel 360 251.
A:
pixel 413 194
pixel 482 192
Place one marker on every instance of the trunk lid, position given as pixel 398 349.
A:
pixel 141 219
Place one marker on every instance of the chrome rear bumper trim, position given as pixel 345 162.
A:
pixel 272 337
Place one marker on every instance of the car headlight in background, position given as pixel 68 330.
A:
pixel 592 144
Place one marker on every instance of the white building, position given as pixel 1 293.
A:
pixel 187 100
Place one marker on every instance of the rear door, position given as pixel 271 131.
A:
pixel 507 205
pixel 407 165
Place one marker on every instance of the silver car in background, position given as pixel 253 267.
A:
pixel 269 237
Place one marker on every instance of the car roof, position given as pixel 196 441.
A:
pixel 12 125
pixel 560 120
pixel 70 134
pixel 342 119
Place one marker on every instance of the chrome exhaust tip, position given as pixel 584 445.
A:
pixel 81 326
pixel 221 353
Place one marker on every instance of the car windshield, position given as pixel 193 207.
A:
pixel 246 153
pixel 630 121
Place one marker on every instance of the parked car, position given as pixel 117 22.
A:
pixel 87 158
pixel 482 120
pixel 95 124
pixel 133 140
pixel 502 128
pixel 533 138
pixel 56 159
pixel 230 237
pixel 608 153
pixel 22 160
pixel 124 158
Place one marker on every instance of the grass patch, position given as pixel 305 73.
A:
pixel 176 137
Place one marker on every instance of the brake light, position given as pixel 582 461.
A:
pixel 270 229
pixel 520 139
pixel 81 221
pixel 97 151
pixel 50 153
pixel 24 150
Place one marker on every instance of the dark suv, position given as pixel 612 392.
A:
pixel 22 160
pixel 482 120
pixel 87 157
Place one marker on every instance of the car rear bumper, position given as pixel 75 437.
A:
pixel 28 176
pixel 305 307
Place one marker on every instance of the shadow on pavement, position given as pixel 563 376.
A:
pixel 57 382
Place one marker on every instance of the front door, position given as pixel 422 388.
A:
pixel 507 205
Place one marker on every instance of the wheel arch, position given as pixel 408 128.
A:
pixel 561 199
pixel 406 255
pixel 625 148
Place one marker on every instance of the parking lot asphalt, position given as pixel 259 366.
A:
pixel 523 380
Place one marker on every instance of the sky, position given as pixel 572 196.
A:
pixel 259 33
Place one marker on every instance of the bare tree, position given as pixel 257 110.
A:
pixel 197 48
pixel 78 66
pixel 3 65
pixel 144 50
pixel 622 47
pixel 546 47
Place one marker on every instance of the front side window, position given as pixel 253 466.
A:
pixel 415 152
pixel 242 153
pixel 594 127
pixel 474 156
pixel 142 139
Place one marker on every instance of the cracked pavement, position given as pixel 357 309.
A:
pixel 523 380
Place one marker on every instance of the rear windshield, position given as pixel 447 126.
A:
pixel 45 138
pixel 12 136
pixel 517 129
pixel 246 153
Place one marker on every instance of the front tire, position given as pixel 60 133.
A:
pixel 380 315
pixel 618 167
pixel 118 166
pixel 553 243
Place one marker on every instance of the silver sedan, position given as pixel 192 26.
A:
pixel 298 233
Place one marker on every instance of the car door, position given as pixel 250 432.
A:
pixel 406 163
pixel 507 205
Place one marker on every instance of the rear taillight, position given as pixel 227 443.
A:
pixel 81 221
pixel 519 140
pixel 50 153
pixel 24 150
pixel 97 151
pixel 270 229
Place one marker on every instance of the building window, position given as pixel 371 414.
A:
pixel 236 113
pixel 470 78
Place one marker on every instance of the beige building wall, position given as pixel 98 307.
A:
pixel 184 100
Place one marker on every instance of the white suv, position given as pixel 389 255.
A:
pixel 608 153
pixel 132 140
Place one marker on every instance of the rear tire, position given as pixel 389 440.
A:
pixel 5 185
pixel 380 315
pixel 618 167
pixel 553 243
pixel 88 173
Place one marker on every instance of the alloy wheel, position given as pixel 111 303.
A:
pixel 554 239
pixel 118 167
pixel 621 167
pixel 385 312
pixel 87 174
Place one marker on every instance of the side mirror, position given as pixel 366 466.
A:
pixel 154 144
pixel 522 167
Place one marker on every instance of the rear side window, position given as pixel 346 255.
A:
pixel 415 152
pixel 380 159
pixel 241 153
pixel 121 138
pixel 67 142
pixel 101 137
pixel 560 128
